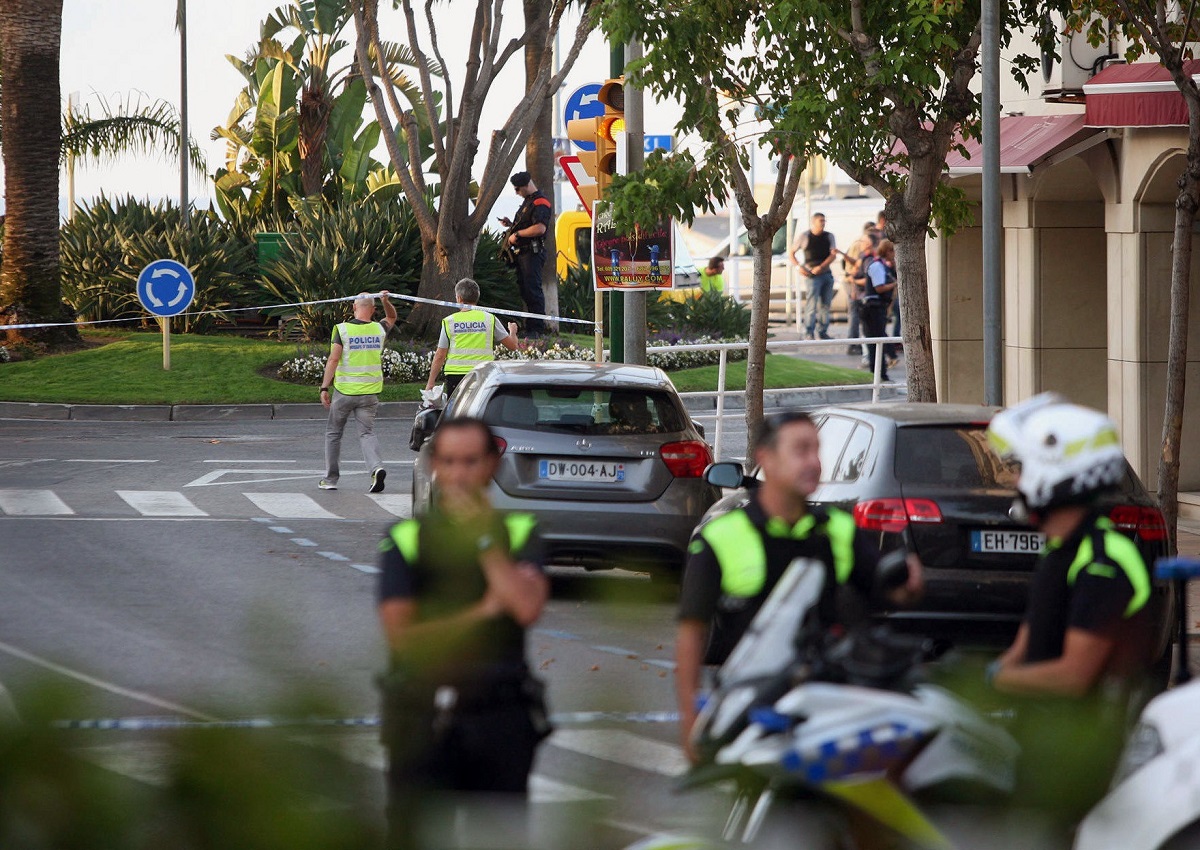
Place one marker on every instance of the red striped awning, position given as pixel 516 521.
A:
pixel 1025 142
pixel 1138 95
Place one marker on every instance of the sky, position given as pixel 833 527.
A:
pixel 118 48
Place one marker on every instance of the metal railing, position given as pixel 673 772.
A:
pixel 723 349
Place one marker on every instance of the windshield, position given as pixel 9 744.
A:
pixel 584 410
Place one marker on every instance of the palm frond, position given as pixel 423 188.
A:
pixel 127 128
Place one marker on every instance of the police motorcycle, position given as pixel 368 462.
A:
pixel 1154 799
pixel 796 712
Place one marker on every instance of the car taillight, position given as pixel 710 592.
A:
pixel 501 444
pixel 1146 523
pixel 687 458
pixel 892 515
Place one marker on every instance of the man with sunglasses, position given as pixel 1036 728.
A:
pixel 736 559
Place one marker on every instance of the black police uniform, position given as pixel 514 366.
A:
pixel 531 256
pixel 702 597
pixel 468 719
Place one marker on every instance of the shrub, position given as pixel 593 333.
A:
pixel 108 243
pixel 5 357
pixel 403 363
pixel 710 313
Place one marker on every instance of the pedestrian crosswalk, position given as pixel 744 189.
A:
pixel 150 761
pixel 178 505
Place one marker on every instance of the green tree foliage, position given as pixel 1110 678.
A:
pixel 297 129
pixel 881 89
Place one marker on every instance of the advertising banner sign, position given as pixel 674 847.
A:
pixel 644 259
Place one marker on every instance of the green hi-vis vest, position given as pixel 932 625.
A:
pixel 740 552
pixel 406 535
pixel 1105 550
pixel 360 371
pixel 470 335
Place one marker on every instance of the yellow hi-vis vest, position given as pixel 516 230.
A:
pixel 470 335
pixel 360 371
pixel 742 557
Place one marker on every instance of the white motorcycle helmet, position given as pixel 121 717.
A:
pixel 1068 453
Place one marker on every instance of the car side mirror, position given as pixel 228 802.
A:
pixel 699 428
pixel 726 475
pixel 423 427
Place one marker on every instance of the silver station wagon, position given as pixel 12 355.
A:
pixel 604 454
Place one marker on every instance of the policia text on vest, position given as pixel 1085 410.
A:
pixel 468 338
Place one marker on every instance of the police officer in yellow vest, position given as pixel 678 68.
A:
pixel 735 560
pixel 351 385
pixel 468 338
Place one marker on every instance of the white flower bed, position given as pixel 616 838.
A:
pixel 412 365
pixel 4 355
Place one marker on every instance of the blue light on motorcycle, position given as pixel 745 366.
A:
pixel 770 719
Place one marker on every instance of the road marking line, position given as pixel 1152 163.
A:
pixel 263 460
pixel 32 503
pixel 624 748
pixel 333 556
pixel 290 505
pixel 365 568
pixel 544 790
pixel 212 479
pixel 366 750
pixel 101 684
pixel 396 504
pixel 616 650
pixel 160 503
pixel 149 762
pixel 281 529
pixel 303 541
pixel 103 460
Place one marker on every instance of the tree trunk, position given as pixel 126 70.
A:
pixel 1186 205
pixel 539 150
pixel 30 112
pixel 451 263
pixel 315 109
pixel 912 275
pixel 756 359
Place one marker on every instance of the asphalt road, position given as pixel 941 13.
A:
pixel 194 571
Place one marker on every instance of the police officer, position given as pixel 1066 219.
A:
pixel 1083 654
pixel 468 338
pixel 736 559
pixel 526 239
pixel 1087 623
pixel 351 385
pixel 458 588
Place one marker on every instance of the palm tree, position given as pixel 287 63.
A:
pixel 30 282
pixel 126 128
pixel 294 130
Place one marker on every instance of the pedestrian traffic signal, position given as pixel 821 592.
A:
pixel 602 132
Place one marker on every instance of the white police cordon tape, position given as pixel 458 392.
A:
pixel 145 724
pixel 413 298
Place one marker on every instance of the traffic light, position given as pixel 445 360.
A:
pixel 600 132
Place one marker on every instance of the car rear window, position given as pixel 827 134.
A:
pixel 951 456
pixel 584 410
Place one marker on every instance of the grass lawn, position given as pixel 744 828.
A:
pixel 125 367
pixel 781 371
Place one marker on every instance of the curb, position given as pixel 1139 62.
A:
pixel 186 412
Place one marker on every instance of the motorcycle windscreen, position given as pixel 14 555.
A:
pixel 769 645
